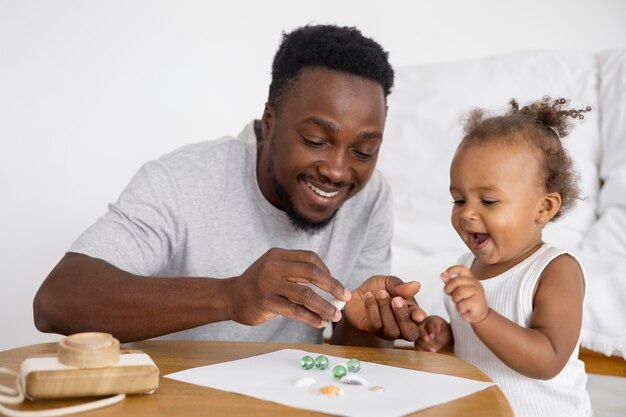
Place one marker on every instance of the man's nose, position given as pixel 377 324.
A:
pixel 335 168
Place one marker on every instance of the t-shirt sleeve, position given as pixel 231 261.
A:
pixel 142 230
pixel 375 257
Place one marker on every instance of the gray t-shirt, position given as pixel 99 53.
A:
pixel 198 211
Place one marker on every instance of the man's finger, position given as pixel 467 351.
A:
pixel 323 281
pixel 286 308
pixel 310 268
pixel 398 288
pixel 406 290
pixel 417 314
pixel 408 328
pixel 390 330
pixel 304 296
pixel 372 313
pixel 415 311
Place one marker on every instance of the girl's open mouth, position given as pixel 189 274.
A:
pixel 479 240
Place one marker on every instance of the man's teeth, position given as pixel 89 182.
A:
pixel 322 192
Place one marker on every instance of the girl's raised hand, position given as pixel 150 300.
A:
pixel 466 292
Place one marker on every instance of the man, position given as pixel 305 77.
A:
pixel 243 238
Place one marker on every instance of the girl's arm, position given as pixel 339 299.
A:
pixel 541 350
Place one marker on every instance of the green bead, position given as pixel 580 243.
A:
pixel 339 371
pixel 321 362
pixel 306 362
pixel 354 365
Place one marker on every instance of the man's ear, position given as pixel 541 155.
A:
pixel 266 121
pixel 549 205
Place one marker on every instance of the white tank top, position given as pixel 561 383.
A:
pixel 510 294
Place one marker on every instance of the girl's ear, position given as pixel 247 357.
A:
pixel 548 207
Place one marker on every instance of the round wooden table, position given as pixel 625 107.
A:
pixel 174 398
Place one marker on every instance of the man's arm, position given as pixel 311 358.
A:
pixel 88 294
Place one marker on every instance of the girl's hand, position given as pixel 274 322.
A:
pixel 466 292
pixel 434 334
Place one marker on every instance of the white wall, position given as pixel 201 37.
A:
pixel 89 90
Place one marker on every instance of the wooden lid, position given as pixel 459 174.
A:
pixel 89 350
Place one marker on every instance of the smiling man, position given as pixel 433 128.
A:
pixel 251 237
pixel 327 158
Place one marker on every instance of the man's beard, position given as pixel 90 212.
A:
pixel 296 218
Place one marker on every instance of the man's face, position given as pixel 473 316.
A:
pixel 320 147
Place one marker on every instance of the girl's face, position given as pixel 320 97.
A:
pixel 498 204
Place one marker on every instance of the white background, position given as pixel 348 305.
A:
pixel 90 90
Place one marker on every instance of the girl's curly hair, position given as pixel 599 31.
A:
pixel 542 125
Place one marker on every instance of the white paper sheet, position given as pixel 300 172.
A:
pixel 271 377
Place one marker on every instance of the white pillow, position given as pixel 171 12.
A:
pixel 604 316
pixel 609 232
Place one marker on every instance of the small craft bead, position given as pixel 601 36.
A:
pixel 331 391
pixel 352 379
pixel 339 305
pixel 339 371
pixel 307 381
pixel 377 388
pixel 306 362
pixel 354 365
pixel 321 362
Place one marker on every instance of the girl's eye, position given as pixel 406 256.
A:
pixel 489 202
pixel 458 202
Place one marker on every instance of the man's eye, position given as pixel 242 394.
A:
pixel 312 143
pixel 363 155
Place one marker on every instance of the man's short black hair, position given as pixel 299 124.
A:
pixel 328 46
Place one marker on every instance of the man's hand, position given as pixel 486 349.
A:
pixel 466 292
pixel 385 306
pixel 271 287
pixel 435 334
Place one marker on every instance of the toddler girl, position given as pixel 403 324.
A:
pixel 515 302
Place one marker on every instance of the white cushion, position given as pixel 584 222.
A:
pixel 609 232
pixel 604 316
